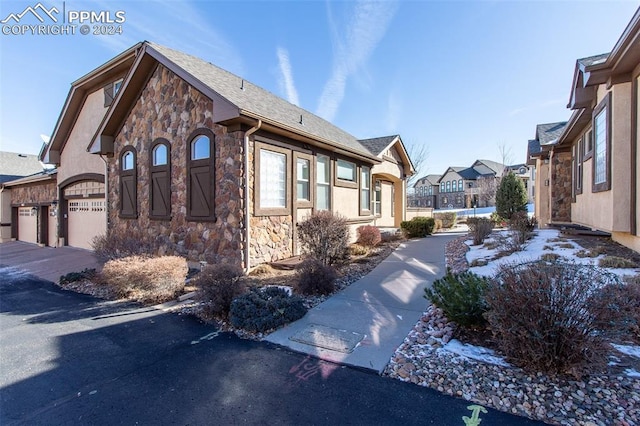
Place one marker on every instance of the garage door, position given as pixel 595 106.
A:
pixel 27 225
pixel 86 220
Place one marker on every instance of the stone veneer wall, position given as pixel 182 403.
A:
pixel 170 108
pixel 34 193
pixel 271 236
pixel 561 187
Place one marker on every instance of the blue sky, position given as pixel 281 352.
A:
pixel 461 78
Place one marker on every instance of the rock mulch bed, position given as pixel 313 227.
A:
pixel 607 399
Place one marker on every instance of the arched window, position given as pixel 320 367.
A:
pixel 201 176
pixel 455 186
pixel 160 180
pixel 460 185
pixel 128 183
pixel 448 186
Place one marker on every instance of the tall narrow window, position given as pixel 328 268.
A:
pixel 128 183
pixel 454 186
pixel 378 198
pixel 323 183
pixel 460 186
pixel 448 186
pixel 365 190
pixel 160 183
pixel 303 185
pixel 441 186
pixel 393 200
pixel 201 176
pixel 601 143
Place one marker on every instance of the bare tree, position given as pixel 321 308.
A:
pixel 506 155
pixel 486 187
pixel 418 155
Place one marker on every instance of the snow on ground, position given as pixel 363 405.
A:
pixel 477 353
pixel 628 350
pixel 632 373
pixel 12 272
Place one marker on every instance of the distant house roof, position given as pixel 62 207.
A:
pixel 488 167
pixel 43 175
pixel 548 133
pixel 427 180
pixel 14 165
pixel 236 98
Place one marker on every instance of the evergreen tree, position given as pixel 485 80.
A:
pixel 511 196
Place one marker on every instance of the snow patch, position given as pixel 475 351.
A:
pixel 477 353
pixel 632 373
pixel 628 350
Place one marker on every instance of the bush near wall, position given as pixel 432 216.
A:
pixel 265 309
pixel 217 286
pixel 369 236
pixel 325 237
pixel 418 227
pixel 448 219
pixel 148 280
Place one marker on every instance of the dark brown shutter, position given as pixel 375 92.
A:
pixel 108 94
pixel 200 194
pixel 128 196
pixel 160 194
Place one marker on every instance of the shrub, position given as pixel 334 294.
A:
pixel 522 226
pixel 71 277
pixel 511 196
pixel 418 227
pixel 480 229
pixel 149 280
pixel 325 236
pixel 497 220
pixel 461 297
pixel 315 278
pixel 437 225
pixel 217 286
pixel 261 270
pixel 618 308
pixel 542 316
pixel 369 236
pixel 448 218
pixel 590 253
pixel 358 250
pixel 616 262
pixel 550 257
pixel 265 309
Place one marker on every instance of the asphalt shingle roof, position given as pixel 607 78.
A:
pixel 377 145
pixel 594 60
pixel 533 147
pixel 14 165
pixel 253 99
pixel 549 133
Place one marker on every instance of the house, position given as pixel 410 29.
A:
pixel 599 145
pixel 527 175
pixel 14 166
pixel 540 156
pixel 192 160
pixel 425 192
pixel 465 187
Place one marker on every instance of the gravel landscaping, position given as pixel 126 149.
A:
pixel 430 356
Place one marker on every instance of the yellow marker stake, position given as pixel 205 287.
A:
pixel 475 415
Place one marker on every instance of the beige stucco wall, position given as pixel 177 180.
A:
pixel 389 168
pixel 419 212
pixel 385 218
pixel 75 159
pixel 346 201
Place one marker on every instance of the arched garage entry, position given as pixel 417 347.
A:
pixel 84 210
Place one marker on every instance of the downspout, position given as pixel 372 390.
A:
pixel 247 225
pixel 106 192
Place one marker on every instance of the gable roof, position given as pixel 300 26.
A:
pixel 235 99
pixel 488 167
pixel 427 180
pixel 41 176
pixel 14 165
pixel 533 151
pixel 378 146
pixel 548 133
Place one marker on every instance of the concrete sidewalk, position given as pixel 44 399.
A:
pixel 48 263
pixel 364 324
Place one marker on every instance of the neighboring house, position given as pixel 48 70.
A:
pixel 425 192
pixel 594 162
pixel 202 163
pixel 13 166
pixel 527 175
pixel 466 187
pixel 539 155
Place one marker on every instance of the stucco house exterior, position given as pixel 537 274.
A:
pixel 193 160
pixel 463 187
pixel 425 192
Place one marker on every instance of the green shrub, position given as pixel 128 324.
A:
pixel 369 236
pixel 543 319
pixel 461 298
pixel 497 220
pixel 217 286
pixel 315 278
pixel 265 309
pixel 616 262
pixel 418 227
pixel 71 277
pixel 325 236
pixel 148 280
pixel 511 196
pixel 448 218
pixel 480 228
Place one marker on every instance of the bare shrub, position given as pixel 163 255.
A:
pixel 325 236
pixel 550 257
pixel 369 236
pixel 261 270
pixel 217 286
pixel 522 227
pixel 543 319
pixel 480 228
pixel 117 244
pixel 448 218
pixel 315 278
pixel 358 250
pixel 437 225
pixel 148 280
pixel 616 262
pixel 618 309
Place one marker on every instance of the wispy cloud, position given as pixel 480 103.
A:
pixel 286 76
pixel 394 111
pixel 352 47
pixel 535 106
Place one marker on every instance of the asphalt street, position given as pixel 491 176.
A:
pixel 72 359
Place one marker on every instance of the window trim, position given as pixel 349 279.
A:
pixel 364 211
pixel 344 182
pixel 328 182
pixel 203 162
pixel 272 211
pixel 166 168
pixel 133 172
pixel 377 197
pixel 312 178
pixel 605 105
pixel 588 136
